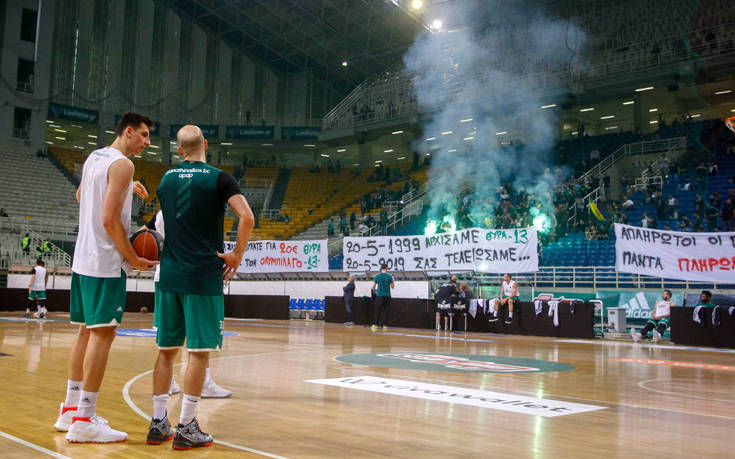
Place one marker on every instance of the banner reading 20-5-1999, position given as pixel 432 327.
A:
pixel 473 249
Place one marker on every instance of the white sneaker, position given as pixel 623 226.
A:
pixel 636 336
pixel 212 390
pixel 93 430
pixel 174 388
pixel 66 415
pixel 657 336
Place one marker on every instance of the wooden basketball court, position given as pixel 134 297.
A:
pixel 642 400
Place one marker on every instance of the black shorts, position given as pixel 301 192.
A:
pixel 382 302
pixel 448 303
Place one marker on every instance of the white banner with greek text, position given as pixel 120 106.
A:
pixel 283 256
pixel 708 257
pixel 473 249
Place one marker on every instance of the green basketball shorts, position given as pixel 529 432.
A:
pixel 97 301
pixel 41 294
pixel 197 319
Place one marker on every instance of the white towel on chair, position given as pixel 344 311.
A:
pixel 473 308
pixel 554 311
pixel 491 304
pixel 695 315
pixel 539 305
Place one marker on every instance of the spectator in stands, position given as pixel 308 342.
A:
pixel 660 204
pixel 699 205
pixel 342 226
pixel 705 299
pixel 673 209
pixel 684 224
pixel 3 213
pixel 659 321
pixel 382 286
pixel 645 220
pixel 627 203
pixel 728 215
pixel 686 186
pixel 383 222
pixel 712 214
pixel 330 228
pixel 713 169
pixel 46 246
pixel 715 199
pixel 25 244
pixel 674 175
pixel 349 295
pixel 353 220
pixel 286 219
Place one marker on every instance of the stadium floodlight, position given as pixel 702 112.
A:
pixel 356 164
pixel 91 136
pixel 226 143
pixel 574 133
pixel 548 106
pixel 653 122
pixel 610 128
pixel 60 130
pixel 266 144
pixel 451 151
pixel 430 139
pixel 154 146
pixel 607 117
pixel 695 116
pixel 468 138
pixel 732 111
pixel 719 93
pixel 344 63
pixel 466 120
pixel 647 88
pixel 112 132
pixel 341 150
pixel 92 143
pixel 309 145
pixel 49 121
pixel 400 158
pixel 628 102
pixel 446 132
pixel 436 24
pixel 378 161
pixel 652 110
pixel 49 142
pixel 397 132
pixel 588 109
pixel 61 138
pixel 388 151
pixel 417 4
pixel 324 155
pixel 501 132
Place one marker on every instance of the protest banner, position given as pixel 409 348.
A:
pixel 283 256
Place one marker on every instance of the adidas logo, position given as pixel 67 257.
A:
pixel 637 307
pixel 76 388
pixel 85 400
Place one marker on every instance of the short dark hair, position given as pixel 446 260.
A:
pixel 707 292
pixel 383 266
pixel 133 120
pixel 667 290
pixel 39 262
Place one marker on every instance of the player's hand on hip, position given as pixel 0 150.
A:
pixel 143 264
pixel 232 262
pixel 139 189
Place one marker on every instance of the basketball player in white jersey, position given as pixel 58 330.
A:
pixel 97 294
pixel 509 296
pixel 210 388
pixel 659 322
pixel 37 289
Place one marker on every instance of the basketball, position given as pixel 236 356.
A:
pixel 144 310
pixel 147 244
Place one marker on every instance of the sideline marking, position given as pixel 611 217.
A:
pixel 134 407
pixel 642 385
pixel 673 363
pixel 472 397
pixel 671 347
pixel 33 445
pixel 446 338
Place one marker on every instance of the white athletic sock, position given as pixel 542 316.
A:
pixel 87 404
pixel 159 406
pixel 188 408
pixel 38 307
pixel 206 375
pixel 510 314
pixel 73 391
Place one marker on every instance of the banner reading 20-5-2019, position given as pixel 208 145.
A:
pixel 473 249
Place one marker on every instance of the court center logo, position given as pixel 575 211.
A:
pixel 457 363
pixel 151 333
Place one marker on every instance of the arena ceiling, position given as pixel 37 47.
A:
pixel 296 35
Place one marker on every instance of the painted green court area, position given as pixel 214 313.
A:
pixel 456 363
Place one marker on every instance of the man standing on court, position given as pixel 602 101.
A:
pixel 97 294
pixel 382 286
pixel 189 299
pixel 349 295
pixel 37 289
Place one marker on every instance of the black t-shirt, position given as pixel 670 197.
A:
pixel 446 291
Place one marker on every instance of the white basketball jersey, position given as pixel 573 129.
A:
pixel 95 254
pixel 39 282
pixel 508 288
pixel 159 228
pixel 663 308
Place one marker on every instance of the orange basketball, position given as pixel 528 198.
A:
pixel 147 244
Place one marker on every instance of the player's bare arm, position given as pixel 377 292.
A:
pixel 119 177
pixel 240 206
